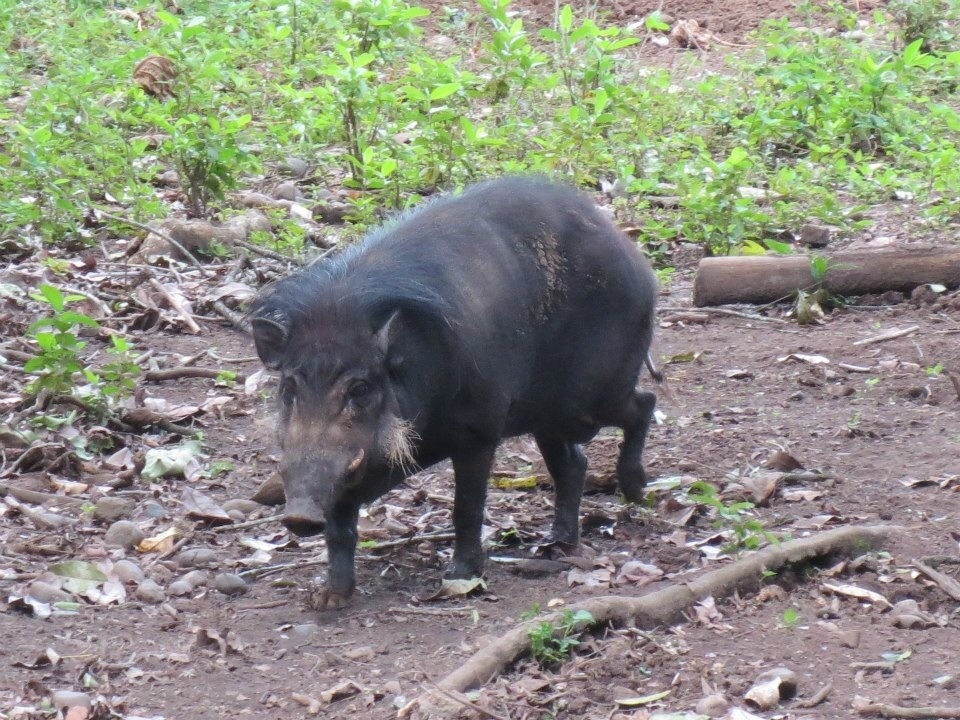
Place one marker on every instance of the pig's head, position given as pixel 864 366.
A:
pixel 339 423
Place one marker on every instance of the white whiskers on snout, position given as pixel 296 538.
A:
pixel 398 444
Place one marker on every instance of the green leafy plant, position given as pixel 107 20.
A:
pixel 791 618
pixel 56 336
pixel 748 532
pixel 551 644
pixel 933 22
pixel 58 362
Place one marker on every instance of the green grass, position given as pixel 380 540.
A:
pixel 829 124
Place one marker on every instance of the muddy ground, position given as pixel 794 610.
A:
pixel 876 424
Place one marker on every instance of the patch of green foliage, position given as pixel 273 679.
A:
pixel 746 530
pixel 58 364
pixel 552 643
pixel 831 121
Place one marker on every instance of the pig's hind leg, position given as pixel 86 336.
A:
pixel 568 466
pixel 634 418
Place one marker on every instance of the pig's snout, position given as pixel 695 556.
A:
pixel 302 525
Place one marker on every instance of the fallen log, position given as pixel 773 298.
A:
pixel 767 278
pixel 648 611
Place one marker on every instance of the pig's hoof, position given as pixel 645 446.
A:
pixel 325 599
pixel 554 549
pixel 632 483
pixel 462 570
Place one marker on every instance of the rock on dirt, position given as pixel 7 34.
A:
pixel 150 592
pixel 110 509
pixel 230 584
pixel 128 571
pixel 123 533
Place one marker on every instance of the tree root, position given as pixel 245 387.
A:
pixel 866 707
pixel 657 608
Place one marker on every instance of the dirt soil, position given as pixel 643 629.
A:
pixel 751 401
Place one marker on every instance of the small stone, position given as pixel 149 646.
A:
pixel 285 191
pixel 300 635
pixel 123 533
pixel 110 509
pixel 197 557
pixel 150 592
pixel 297 167
pixel 364 652
pixel 242 504
pixel 815 235
pixel 169 178
pixel 713 705
pixel 69 698
pixel 333 212
pixel 180 587
pixel 154 510
pixel 128 571
pixel 197 578
pixel 230 584
pixel 47 593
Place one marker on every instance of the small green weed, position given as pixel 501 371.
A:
pixel 791 618
pixel 58 362
pixel 747 531
pixel 551 644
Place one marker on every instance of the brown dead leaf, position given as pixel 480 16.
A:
pixel 638 574
pixel 456 588
pixel 156 74
pixel 817 522
pixel 203 506
pixel 782 461
pixel 762 486
pixel 706 612
pixel 225 643
pixel 589 578
pixel 859 593
pixel 159 543
pixel 802 495
pixel 342 690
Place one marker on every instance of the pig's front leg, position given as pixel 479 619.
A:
pixel 341 535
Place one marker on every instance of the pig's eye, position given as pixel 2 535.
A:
pixel 359 390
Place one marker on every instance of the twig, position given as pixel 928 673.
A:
pixel 878 665
pixel 238 320
pixel 248 524
pixel 187 372
pixel 262 606
pixel 399 542
pixel 863 706
pixel 855 368
pixel 270 569
pixel 149 229
pixel 239 360
pixel 35 497
pixel 410 610
pixel 946 583
pixel 176 305
pixel 891 335
pixel 725 311
pixel 817 697
pixel 263 251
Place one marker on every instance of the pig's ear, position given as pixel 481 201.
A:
pixel 270 333
pixel 382 337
